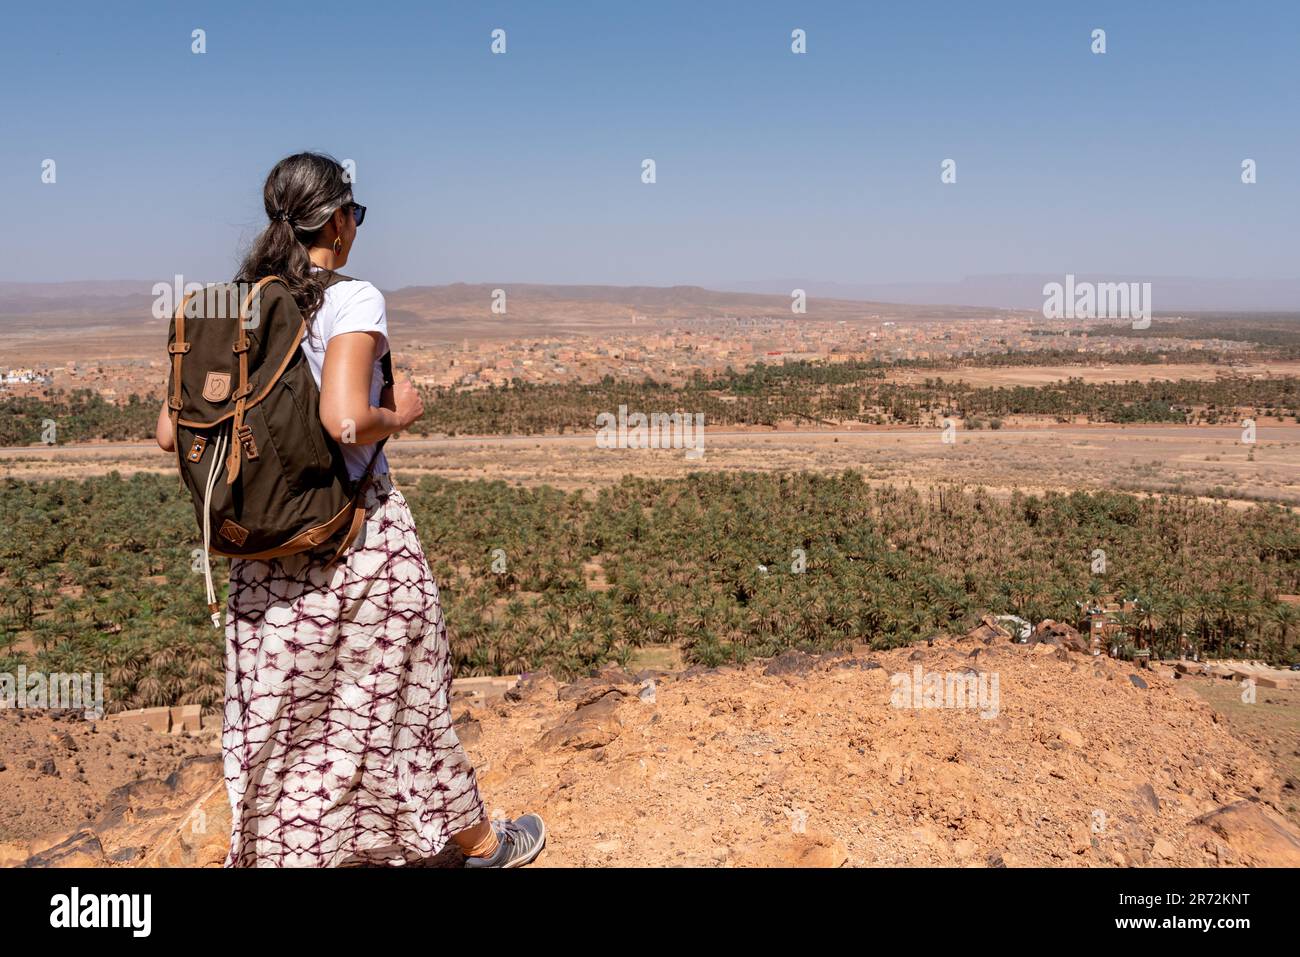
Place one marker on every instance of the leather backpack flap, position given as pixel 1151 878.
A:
pixel 204 367
pixel 210 379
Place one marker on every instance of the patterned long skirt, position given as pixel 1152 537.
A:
pixel 337 739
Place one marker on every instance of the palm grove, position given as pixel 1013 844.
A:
pixel 103 575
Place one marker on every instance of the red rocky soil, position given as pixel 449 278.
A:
pixel 803 761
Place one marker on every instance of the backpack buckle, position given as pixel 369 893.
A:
pixel 247 442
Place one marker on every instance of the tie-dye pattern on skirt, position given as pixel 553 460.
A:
pixel 337 737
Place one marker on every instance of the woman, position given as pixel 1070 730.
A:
pixel 337 734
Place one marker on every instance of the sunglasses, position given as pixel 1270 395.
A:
pixel 358 213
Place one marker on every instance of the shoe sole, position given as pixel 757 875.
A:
pixel 532 855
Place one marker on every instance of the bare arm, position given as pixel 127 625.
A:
pixel 165 432
pixel 345 393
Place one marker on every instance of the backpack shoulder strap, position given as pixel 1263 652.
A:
pixel 177 348
pixel 386 360
pixel 240 437
pixel 333 278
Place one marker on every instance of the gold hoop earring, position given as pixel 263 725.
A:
pixel 338 245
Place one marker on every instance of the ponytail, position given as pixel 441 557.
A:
pixel 300 195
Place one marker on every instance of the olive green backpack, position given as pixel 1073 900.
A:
pixel 267 480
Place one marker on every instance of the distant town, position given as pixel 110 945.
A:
pixel 669 351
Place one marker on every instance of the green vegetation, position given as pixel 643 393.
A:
pixel 78 416
pixel 100 576
pixel 805 392
pixel 851 392
pixel 1277 334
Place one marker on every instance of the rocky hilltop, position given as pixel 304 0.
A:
pixel 1059 759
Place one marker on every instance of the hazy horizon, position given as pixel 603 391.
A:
pixel 1006 291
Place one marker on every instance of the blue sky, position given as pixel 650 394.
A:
pixel 526 166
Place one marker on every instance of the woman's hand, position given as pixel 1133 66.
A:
pixel 407 402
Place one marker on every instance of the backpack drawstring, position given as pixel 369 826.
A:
pixel 207 530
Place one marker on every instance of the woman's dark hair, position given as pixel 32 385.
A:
pixel 301 194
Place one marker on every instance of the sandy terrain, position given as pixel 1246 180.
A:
pixel 807 762
pixel 1195 460
pixel 56 769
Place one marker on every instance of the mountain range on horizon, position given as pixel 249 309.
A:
pixel 1025 291
pixel 124 297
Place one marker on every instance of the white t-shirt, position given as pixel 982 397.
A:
pixel 352 306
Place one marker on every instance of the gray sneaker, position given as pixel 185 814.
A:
pixel 520 841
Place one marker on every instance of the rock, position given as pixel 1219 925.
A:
pixel 1044 648
pixel 141 814
pixel 988 631
pixel 1070 737
pixel 1060 634
pixel 647 692
pixel 201 837
pixel 1007 859
pixel 592 726
pixel 14 854
pixel 590 694
pixel 1252 831
pixel 791 662
pixel 1147 794
pixel 1163 850
pixel 48 768
pixel 535 686
pixel 694 671
pixel 82 849
pixel 613 674
pixel 469 732
pixel 1137 682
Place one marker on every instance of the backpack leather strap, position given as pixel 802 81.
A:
pixel 244 388
pixel 359 510
pixel 178 347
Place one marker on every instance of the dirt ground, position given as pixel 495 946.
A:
pixel 1198 460
pixel 1271 725
pixel 56 769
pixel 1079 767
pixel 809 761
